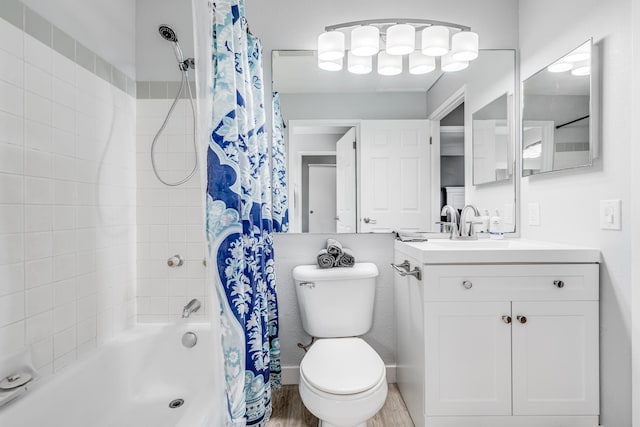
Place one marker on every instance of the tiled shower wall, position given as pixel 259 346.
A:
pixel 67 193
pixel 170 219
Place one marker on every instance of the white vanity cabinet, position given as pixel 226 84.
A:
pixel 502 345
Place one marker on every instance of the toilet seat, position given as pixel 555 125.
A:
pixel 342 366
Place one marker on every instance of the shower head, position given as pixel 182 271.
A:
pixel 168 34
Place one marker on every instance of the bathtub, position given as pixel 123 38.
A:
pixel 129 382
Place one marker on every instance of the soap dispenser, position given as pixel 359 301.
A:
pixel 495 227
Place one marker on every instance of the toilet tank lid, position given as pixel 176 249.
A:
pixel 313 273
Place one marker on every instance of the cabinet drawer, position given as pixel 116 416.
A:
pixel 511 282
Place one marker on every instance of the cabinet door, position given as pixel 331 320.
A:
pixel 468 358
pixel 555 358
pixel 410 343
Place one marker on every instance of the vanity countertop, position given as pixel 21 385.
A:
pixel 485 251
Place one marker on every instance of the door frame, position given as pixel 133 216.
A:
pixel 293 170
pixel 439 113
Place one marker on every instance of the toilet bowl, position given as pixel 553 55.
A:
pixel 342 379
pixel 342 382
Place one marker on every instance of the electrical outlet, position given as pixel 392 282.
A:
pixel 610 214
pixel 533 214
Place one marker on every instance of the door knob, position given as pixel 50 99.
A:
pixel 558 284
pixel 506 319
pixel 467 284
pixel 522 319
pixel 368 220
pixel 175 261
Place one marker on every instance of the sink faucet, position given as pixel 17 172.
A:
pixel 452 216
pixel 193 306
pixel 458 224
pixel 469 234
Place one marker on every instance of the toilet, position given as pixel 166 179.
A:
pixel 342 379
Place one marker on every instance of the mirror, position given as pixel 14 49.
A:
pixel 492 141
pixel 473 113
pixel 558 129
pixel 360 148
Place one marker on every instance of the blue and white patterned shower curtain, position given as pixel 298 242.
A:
pixel 239 219
pixel 279 170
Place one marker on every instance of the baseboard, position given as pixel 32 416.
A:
pixel 291 374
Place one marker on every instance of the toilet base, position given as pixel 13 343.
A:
pixel 327 424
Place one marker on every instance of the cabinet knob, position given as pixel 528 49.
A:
pixel 506 319
pixel 558 284
pixel 467 284
pixel 522 319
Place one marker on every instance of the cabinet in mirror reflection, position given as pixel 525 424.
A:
pixel 371 154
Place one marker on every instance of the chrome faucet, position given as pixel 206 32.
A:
pixel 453 219
pixel 459 227
pixel 470 233
pixel 193 306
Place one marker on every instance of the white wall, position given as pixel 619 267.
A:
pixel 106 27
pixel 569 201
pixel 154 56
pixel 169 219
pixel 298 249
pixel 67 204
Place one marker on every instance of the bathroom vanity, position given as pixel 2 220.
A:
pixel 498 333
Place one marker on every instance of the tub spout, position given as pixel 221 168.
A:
pixel 193 306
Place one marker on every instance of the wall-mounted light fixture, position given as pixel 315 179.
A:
pixel 454 44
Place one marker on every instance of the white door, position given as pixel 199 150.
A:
pixel 322 198
pixel 346 183
pixel 394 165
pixel 409 308
pixel 468 358
pixel 555 358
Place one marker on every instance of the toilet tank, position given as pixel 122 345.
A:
pixel 336 302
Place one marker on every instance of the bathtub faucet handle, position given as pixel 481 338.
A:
pixel 193 306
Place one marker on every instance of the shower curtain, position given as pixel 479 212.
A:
pixel 239 209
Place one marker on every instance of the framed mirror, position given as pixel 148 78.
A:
pixel 559 119
pixel 361 149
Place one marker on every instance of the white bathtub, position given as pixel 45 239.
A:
pixel 129 383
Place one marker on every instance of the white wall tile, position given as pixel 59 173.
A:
pixel 38 163
pixel 12 337
pixel 11 278
pixel 63 68
pixel 64 118
pixel 11 248
pixel 64 361
pixel 11 39
pixel 11 128
pixel 38 54
pixel 11 188
pixel 42 351
pixel 11 99
pixel 37 108
pixel 63 143
pixel 11 218
pixel 38 191
pixel 11 308
pixel 38 245
pixel 38 81
pixel 11 69
pixel 39 300
pixel 38 218
pixel 64 267
pixel 38 136
pixel 64 342
pixel 38 272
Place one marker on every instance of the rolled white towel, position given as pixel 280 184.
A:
pixel 325 260
pixel 346 259
pixel 334 247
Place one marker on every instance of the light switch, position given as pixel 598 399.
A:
pixel 610 216
pixel 533 214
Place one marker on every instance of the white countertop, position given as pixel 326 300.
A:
pixel 485 251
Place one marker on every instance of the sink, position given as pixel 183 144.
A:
pixel 517 251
